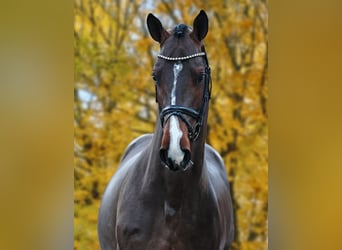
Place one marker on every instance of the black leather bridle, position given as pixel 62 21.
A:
pixel 182 111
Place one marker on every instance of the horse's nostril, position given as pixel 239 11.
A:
pixel 186 160
pixel 163 155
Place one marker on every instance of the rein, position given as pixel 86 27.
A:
pixel 182 111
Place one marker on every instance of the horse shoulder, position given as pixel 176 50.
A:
pixel 136 146
pixel 108 208
pixel 219 186
pixel 214 161
pixel 130 156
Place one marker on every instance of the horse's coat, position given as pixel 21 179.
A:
pixel 171 190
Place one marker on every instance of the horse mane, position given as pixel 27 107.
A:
pixel 180 30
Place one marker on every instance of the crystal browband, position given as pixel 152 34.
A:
pixel 181 58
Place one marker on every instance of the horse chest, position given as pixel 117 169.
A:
pixel 165 228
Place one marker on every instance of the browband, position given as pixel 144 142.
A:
pixel 181 58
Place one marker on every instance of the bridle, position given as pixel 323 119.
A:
pixel 182 111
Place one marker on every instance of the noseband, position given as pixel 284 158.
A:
pixel 182 111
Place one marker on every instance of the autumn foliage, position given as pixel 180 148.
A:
pixel 114 100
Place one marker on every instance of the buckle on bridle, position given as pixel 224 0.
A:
pixel 194 132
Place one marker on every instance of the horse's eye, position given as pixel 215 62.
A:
pixel 200 77
pixel 154 77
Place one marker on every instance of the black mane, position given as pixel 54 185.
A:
pixel 180 30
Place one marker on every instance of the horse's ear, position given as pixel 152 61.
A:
pixel 200 26
pixel 156 29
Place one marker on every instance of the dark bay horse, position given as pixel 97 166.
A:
pixel 171 191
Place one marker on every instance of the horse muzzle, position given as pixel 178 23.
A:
pixel 175 151
pixel 173 165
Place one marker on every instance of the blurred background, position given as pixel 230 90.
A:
pixel 114 100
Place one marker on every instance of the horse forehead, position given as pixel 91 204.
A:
pixel 181 46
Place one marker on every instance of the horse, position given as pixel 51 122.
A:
pixel 171 191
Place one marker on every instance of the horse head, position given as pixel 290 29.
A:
pixel 182 79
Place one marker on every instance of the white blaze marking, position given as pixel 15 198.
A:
pixel 177 68
pixel 175 152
